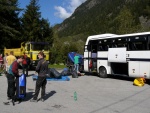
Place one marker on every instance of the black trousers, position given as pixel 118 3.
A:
pixel 40 83
pixel 11 86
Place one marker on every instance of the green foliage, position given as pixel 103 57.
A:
pixel 36 28
pixel 31 22
pixel 9 23
pixel 125 22
pixel 61 48
pixel 57 66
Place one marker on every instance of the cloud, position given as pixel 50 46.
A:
pixel 74 4
pixel 65 12
pixel 61 12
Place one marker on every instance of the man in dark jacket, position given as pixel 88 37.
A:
pixel 41 69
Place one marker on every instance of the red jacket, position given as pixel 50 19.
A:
pixel 15 68
pixel 25 60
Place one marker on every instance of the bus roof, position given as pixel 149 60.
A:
pixel 100 36
pixel 108 35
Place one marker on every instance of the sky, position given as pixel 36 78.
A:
pixel 54 10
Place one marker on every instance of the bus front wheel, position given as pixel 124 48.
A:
pixel 102 72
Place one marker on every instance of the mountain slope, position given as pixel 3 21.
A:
pixel 103 16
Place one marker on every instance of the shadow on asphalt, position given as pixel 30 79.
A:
pixel 117 77
pixel 29 95
pixel 126 78
pixel 48 95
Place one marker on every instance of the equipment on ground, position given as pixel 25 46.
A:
pixel 139 82
pixel 21 87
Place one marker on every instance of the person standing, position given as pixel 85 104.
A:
pixel 76 63
pixel 13 73
pixel 41 69
pixel 10 59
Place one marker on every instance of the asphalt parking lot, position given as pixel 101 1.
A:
pixel 94 95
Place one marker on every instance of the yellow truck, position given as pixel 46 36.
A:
pixel 31 49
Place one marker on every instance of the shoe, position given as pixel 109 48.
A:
pixel 33 100
pixel 6 103
pixel 8 98
pixel 13 102
pixel 42 100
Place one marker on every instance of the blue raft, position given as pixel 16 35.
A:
pixel 62 78
pixel 71 57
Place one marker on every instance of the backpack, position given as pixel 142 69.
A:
pixel 10 69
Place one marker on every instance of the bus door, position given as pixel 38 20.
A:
pixel 93 60
pixel 87 57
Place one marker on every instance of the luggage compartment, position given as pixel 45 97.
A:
pixel 119 68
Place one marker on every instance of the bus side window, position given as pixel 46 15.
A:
pixel 115 45
pixel 134 46
pixel 100 48
pixel 129 46
pixel 144 46
pixel 148 44
pixel 106 47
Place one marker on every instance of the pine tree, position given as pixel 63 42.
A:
pixel 46 32
pixel 31 22
pixel 9 22
pixel 36 28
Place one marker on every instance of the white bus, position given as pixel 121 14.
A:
pixel 127 54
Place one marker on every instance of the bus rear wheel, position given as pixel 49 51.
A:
pixel 102 72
